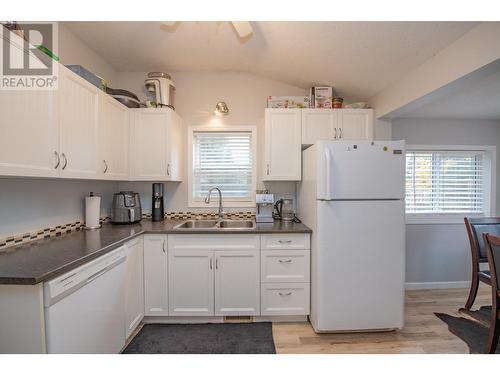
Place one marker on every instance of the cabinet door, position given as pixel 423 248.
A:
pixel 78 104
pixel 356 124
pixel 318 124
pixel 149 145
pixel 191 282
pixel 175 148
pixel 29 131
pixel 283 145
pixel 237 283
pixel 113 139
pixel 134 286
pixel 155 275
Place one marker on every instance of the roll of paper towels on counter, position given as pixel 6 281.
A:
pixel 92 211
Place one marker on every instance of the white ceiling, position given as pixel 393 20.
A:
pixel 358 58
pixel 475 96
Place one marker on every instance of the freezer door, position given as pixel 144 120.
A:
pixel 360 169
pixel 359 263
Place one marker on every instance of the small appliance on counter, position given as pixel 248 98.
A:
pixel 284 211
pixel 126 208
pixel 160 86
pixel 157 213
pixel 265 205
pixel 92 211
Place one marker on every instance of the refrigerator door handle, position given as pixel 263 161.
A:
pixel 328 164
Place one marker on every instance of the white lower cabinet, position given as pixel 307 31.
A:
pixel 155 275
pixel 285 298
pixel 237 282
pixel 191 282
pixel 134 285
pixel 285 266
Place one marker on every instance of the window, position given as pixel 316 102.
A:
pixel 447 182
pixel 223 158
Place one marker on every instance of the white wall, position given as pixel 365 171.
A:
pixel 196 96
pixel 440 252
pixel 28 204
pixel 73 50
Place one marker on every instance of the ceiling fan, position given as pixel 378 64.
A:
pixel 243 28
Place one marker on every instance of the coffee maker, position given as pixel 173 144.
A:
pixel 265 205
pixel 157 213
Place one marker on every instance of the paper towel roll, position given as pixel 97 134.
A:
pixel 92 211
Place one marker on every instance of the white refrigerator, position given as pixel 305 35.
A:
pixel 352 197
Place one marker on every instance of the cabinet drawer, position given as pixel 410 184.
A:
pixel 285 266
pixel 285 299
pixel 285 241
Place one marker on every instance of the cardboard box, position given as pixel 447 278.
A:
pixel 288 102
pixel 321 96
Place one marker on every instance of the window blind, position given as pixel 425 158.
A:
pixel 224 160
pixel 444 182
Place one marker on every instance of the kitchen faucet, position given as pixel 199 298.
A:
pixel 207 200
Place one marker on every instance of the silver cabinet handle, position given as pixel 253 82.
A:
pixel 211 266
pixel 335 137
pixel 285 294
pixel 163 246
pixel 284 241
pixel 168 169
pixel 216 263
pixel 285 261
pixel 105 166
pixel 340 137
pixel 65 161
pixel 58 159
pixel 268 169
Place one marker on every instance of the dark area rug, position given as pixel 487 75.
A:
pixel 237 338
pixel 470 330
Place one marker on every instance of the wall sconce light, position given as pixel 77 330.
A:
pixel 221 109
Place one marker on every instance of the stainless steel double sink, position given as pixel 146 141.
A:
pixel 216 224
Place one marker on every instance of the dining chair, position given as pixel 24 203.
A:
pixel 493 253
pixel 475 229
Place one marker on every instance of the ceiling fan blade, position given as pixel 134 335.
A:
pixel 243 28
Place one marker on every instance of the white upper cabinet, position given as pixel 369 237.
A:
pixel 334 124
pixel 356 123
pixel 113 139
pixel 282 149
pixel 78 121
pixel 156 144
pixel 29 134
pixel 318 124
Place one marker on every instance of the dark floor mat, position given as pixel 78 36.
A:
pixel 470 331
pixel 237 338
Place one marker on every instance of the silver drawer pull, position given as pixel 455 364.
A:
pixel 285 241
pixel 285 260
pixel 285 294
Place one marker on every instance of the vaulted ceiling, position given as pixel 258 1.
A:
pixel 358 58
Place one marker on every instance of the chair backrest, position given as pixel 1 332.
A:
pixel 492 243
pixel 475 229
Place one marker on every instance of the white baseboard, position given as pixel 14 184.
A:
pixel 438 285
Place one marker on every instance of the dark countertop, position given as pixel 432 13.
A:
pixel 45 259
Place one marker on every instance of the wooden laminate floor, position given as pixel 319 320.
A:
pixel 423 331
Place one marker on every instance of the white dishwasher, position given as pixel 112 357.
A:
pixel 85 308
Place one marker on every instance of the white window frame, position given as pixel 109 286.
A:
pixel 226 201
pixel 489 185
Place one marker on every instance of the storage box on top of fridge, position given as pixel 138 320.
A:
pixel 321 97
pixel 288 102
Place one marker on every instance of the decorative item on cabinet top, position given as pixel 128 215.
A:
pixel 58 230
